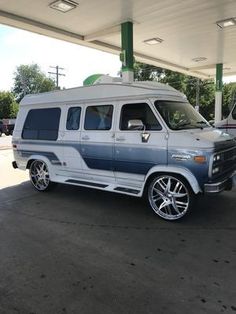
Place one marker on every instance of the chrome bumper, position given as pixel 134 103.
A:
pixel 218 187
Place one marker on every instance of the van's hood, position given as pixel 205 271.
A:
pixel 198 139
pixel 214 137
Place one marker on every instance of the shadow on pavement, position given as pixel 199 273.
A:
pixel 77 250
pixel 216 211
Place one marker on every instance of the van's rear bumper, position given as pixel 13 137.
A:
pixel 14 165
pixel 220 186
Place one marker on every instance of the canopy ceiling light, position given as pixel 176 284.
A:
pixel 227 23
pixel 153 41
pixel 63 5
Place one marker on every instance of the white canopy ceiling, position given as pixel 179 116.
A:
pixel 187 27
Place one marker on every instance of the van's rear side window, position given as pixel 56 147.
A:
pixel 42 124
pixel 73 118
pixel 98 117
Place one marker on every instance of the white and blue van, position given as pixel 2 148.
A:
pixel 137 139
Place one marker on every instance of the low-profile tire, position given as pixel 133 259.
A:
pixel 39 176
pixel 170 197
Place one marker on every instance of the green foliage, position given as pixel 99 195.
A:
pixel 8 106
pixel 29 79
pixel 229 98
pixel 188 86
pixel 206 95
pixel 174 79
pixel 147 72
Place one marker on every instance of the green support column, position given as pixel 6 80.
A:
pixel 127 55
pixel 218 93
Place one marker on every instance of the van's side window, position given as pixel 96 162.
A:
pixel 139 111
pixel 42 124
pixel 234 113
pixel 98 117
pixel 73 118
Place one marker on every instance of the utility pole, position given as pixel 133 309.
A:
pixel 197 94
pixel 57 74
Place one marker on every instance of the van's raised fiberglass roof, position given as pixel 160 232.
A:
pixel 102 92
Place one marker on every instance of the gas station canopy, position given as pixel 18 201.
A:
pixel 188 36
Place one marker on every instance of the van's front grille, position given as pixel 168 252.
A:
pixel 223 163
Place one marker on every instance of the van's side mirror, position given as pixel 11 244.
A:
pixel 135 125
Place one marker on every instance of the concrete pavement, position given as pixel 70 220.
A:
pixel 77 250
pixel 5 142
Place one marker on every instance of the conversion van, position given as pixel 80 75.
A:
pixel 229 124
pixel 140 139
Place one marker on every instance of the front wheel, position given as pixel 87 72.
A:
pixel 170 197
pixel 39 176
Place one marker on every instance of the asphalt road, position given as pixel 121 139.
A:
pixel 77 250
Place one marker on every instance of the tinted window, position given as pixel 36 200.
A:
pixel 180 115
pixel 42 124
pixel 140 111
pixel 73 118
pixel 234 112
pixel 98 117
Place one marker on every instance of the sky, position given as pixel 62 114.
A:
pixel 21 47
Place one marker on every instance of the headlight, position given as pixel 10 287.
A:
pixel 217 157
pixel 215 170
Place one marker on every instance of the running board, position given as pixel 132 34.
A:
pixel 127 190
pixel 98 185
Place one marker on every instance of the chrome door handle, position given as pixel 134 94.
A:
pixel 86 137
pixel 120 139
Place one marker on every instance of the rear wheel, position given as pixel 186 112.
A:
pixel 39 176
pixel 170 197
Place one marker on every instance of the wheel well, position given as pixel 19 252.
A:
pixel 29 163
pixel 153 175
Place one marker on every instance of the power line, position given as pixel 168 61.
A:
pixel 57 74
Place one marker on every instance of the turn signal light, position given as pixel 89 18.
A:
pixel 200 159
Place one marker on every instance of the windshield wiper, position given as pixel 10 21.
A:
pixel 197 124
pixel 202 122
pixel 182 125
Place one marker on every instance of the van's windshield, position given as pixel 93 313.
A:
pixel 180 115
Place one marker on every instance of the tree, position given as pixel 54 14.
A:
pixel 8 106
pixel 229 98
pixel 206 95
pixel 184 83
pixel 29 79
pixel 147 72
pixel 175 80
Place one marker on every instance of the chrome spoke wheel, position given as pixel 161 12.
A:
pixel 169 197
pixel 39 175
